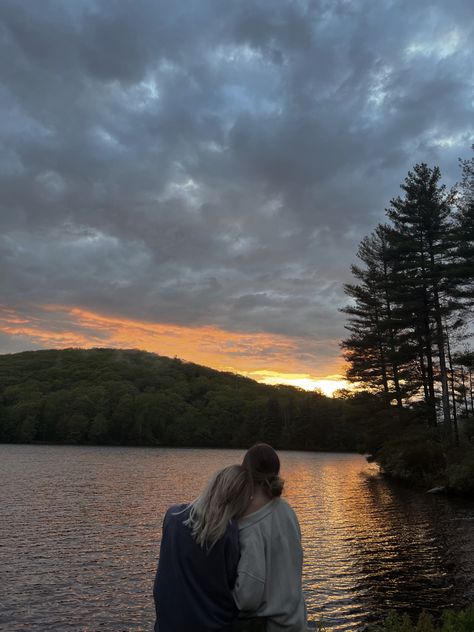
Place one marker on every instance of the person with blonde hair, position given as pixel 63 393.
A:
pixel 199 554
pixel 268 590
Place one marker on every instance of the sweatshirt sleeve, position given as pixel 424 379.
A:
pixel 250 584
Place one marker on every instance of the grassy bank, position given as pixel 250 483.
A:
pixel 451 621
pixel 462 621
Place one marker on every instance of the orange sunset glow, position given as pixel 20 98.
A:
pixel 264 357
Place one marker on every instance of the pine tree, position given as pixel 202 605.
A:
pixel 375 349
pixel 424 241
pixel 466 362
pixel 464 231
pixel 414 277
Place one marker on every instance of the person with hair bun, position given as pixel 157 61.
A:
pixel 268 590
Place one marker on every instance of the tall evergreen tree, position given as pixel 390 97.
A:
pixel 365 349
pixel 464 227
pixel 415 274
pixel 466 361
pixel 375 349
pixel 424 242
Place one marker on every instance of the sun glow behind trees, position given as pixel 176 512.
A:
pixel 327 386
pixel 265 357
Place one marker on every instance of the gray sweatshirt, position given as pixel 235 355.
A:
pixel 269 573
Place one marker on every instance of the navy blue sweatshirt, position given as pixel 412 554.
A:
pixel 193 587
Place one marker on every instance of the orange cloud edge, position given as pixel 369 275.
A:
pixel 264 357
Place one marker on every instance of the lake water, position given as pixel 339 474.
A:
pixel 80 531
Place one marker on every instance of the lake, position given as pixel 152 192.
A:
pixel 80 530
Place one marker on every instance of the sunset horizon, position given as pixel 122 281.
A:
pixel 267 358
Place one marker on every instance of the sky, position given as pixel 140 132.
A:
pixel 193 178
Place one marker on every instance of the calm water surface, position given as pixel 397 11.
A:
pixel 80 531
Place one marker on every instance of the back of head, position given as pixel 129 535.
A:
pixel 226 496
pixel 263 463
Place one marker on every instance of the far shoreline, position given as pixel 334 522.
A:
pixel 174 447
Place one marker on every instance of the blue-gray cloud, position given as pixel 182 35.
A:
pixel 217 163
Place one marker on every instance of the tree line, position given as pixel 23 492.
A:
pixel 411 303
pixel 410 322
pixel 129 397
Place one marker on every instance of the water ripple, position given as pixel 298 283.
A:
pixel 80 530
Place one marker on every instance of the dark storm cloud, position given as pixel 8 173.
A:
pixel 217 163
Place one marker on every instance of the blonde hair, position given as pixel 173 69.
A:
pixel 226 496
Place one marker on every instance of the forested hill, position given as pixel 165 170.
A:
pixel 129 397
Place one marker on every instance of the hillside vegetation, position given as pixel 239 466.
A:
pixel 129 397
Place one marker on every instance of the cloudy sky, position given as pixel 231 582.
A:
pixel 193 178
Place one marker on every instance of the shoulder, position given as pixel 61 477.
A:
pixel 175 512
pixel 284 508
pixel 286 518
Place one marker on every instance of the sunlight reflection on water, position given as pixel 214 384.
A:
pixel 80 529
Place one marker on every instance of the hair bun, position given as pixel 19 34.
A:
pixel 275 485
